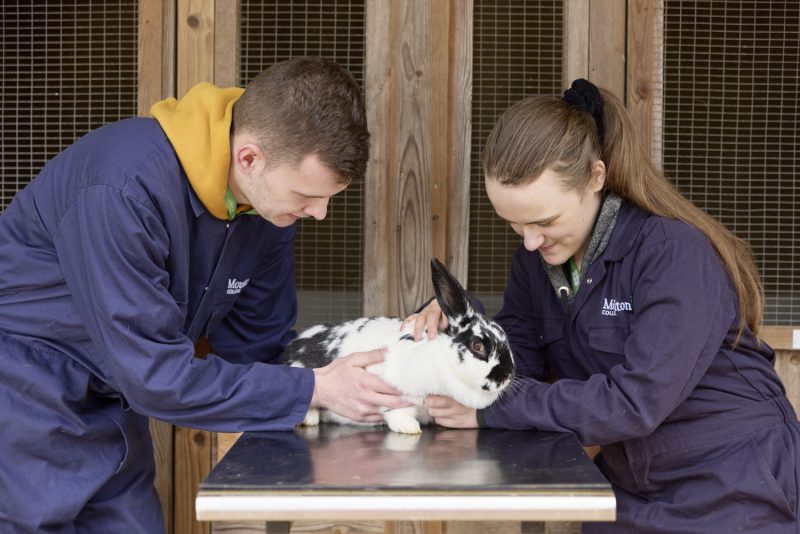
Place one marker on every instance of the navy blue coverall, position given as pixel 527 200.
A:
pixel 110 271
pixel 697 435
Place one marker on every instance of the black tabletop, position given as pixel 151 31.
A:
pixel 345 458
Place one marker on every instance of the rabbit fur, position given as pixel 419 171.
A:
pixel 470 361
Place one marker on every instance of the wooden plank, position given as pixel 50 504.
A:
pixel 163 442
pixel 575 54
pixel 460 138
pixel 226 43
pixel 195 43
pixel 415 527
pixel 640 71
pixel 779 337
pixel 222 444
pixel 417 77
pixel 433 66
pixel 195 63
pixel 607 45
pixel 418 87
pixel 169 55
pixel 150 60
pixel 154 30
pixel 787 363
pixel 378 217
pixel 192 465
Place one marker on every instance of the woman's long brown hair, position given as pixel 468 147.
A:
pixel 543 132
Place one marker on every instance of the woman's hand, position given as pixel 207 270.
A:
pixel 430 319
pixel 451 413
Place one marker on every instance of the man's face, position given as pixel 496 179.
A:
pixel 284 193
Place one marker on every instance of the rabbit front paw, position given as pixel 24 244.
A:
pixel 312 417
pixel 403 420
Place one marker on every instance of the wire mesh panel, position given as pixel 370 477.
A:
pixel 731 123
pixel 329 252
pixel 517 48
pixel 67 67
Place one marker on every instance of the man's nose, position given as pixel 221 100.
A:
pixel 318 208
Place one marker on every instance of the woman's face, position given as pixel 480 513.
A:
pixel 550 218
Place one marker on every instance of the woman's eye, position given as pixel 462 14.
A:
pixel 476 346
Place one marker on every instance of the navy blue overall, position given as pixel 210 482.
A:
pixel 110 270
pixel 697 435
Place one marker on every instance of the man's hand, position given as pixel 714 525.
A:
pixel 451 413
pixel 429 319
pixel 345 387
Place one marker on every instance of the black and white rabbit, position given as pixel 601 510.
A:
pixel 470 361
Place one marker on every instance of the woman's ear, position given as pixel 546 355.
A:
pixel 598 179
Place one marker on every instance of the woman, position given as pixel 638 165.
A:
pixel 648 311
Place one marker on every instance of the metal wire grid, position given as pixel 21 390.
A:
pixel 517 49
pixel 67 67
pixel 329 253
pixel 731 123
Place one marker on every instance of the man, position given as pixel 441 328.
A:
pixel 133 243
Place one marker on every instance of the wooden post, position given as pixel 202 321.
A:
pixel 195 64
pixel 418 87
pixel 607 20
pixel 154 82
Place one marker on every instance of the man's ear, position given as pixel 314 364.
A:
pixel 247 156
pixel 598 179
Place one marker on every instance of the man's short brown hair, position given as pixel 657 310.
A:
pixel 307 106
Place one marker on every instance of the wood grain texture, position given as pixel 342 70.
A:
pixel 640 68
pixel 192 465
pixel 162 435
pixel 414 527
pixel 459 143
pixel 575 52
pixel 787 363
pixel 150 63
pixel 607 19
pixel 418 87
pixel 378 218
pixel 195 43
pixel 226 43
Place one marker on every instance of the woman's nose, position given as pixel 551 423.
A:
pixel 532 239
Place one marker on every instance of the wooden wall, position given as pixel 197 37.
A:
pixel 418 86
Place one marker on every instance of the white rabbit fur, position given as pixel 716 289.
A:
pixel 447 365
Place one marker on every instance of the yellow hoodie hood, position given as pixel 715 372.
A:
pixel 199 128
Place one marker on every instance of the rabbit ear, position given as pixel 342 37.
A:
pixel 451 296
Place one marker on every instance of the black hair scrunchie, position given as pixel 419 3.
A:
pixel 585 96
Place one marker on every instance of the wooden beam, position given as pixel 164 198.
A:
pixel 459 142
pixel 418 87
pixel 192 465
pixel 150 61
pixel 195 43
pixel 379 189
pixel 226 43
pixel 641 69
pixel 575 55
pixel 607 20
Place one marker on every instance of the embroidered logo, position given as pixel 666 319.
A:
pixel 613 306
pixel 235 286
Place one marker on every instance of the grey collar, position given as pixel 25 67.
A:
pixel 601 233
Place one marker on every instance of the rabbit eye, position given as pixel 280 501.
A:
pixel 476 346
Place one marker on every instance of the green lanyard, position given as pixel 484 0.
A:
pixel 574 275
pixel 232 205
